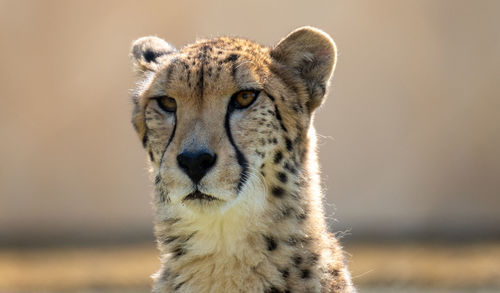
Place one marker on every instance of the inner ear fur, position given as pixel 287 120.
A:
pixel 146 53
pixel 310 54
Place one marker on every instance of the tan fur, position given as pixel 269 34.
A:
pixel 269 234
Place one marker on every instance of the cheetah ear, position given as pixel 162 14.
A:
pixel 309 54
pixel 147 52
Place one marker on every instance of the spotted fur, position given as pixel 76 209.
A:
pixel 260 227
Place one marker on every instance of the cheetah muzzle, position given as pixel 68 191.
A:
pixel 227 125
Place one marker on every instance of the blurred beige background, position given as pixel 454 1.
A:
pixel 410 141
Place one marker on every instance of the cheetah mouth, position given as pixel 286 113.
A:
pixel 197 195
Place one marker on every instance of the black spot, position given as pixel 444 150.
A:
pixel 145 139
pixel 179 251
pixel 289 145
pixel 275 141
pixel 288 167
pixel 282 177
pixel 273 290
pixel 271 97
pixel 157 179
pixel 297 260
pixel 285 273
pixel 271 243
pixel 334 272
pixel 232 57
pixel 151 55
pixel 306 274
pixel 179 286
pixel 278 157
pixel 278 191
pixel 170 239
pixel 151 157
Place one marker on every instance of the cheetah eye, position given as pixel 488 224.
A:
pixel 244 99
pixel 166 103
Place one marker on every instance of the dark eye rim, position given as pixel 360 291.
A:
pixel 236 105
pixel 160 104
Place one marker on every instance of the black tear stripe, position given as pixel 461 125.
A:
pixel 242 161
pixel 169 140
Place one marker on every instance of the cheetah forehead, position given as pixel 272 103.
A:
pixel 303 61
pixel 214 68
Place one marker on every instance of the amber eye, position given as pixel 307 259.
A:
pixel 244 99
pixel 167 104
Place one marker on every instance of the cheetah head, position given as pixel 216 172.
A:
pixel 226 119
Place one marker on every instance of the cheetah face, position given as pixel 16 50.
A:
pixel 214 114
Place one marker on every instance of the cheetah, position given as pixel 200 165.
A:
pixel 227 124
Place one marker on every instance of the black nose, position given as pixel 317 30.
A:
pixel 196 164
